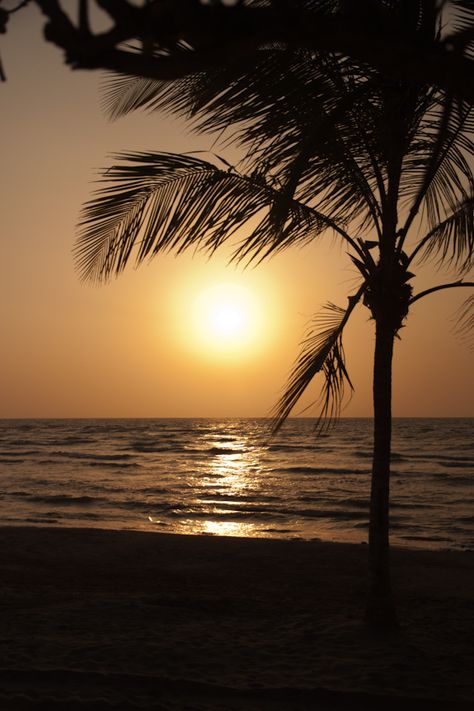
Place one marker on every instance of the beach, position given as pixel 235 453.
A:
pixel 124 619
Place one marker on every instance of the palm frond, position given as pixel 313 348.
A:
pixel 452 239
pixel 451 165
pixel 155 202
pixel 461 27
pixel 321 352
pixel 464 317
pixel 437 168
pixel 123 94
pixel 247 89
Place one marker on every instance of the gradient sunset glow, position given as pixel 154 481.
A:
pixel 163 341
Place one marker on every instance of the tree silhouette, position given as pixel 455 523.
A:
pixel 215 30
pixel 332 146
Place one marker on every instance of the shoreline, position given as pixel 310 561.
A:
pixel 410 545
pixel 230 613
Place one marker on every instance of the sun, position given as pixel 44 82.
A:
pixel 226 319
pixel 221 317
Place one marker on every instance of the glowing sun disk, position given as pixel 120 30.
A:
pixel 225 318
pixel 228 319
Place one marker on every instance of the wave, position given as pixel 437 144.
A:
pixel 90 455
pixel 42 519
pixel 319 470
pixel 69 440
pixel 236 515
pixel 439 458
pixel 355 503
pixel 154 490
pixel 368 454
pixel 91 501
pixel 20 453
pixel 151 449
pixel 216 451
pixel 258 511
pixel 222 450
pixel 113 465
pixel 335 514
pixel 294 447
pixel 47 442
pixel 225 439
pixel 420 537
pixel 86 463
pixel 226 496
pixel 65 499
pixel 264 514
pixel 410 505
pixel 454 479
pixel 300 470
pixel 458 464
pixel 271 529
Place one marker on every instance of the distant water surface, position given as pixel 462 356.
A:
pixel 227 477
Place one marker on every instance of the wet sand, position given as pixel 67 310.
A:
pixel 123 620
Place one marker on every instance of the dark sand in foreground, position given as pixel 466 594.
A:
pixel 123 620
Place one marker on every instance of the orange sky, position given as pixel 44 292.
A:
pixel 130 349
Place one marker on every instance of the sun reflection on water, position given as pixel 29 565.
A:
pixel 221 528
pixel 229 470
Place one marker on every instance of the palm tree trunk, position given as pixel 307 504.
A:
pixel 380 612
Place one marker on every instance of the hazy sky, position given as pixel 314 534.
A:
pixel 144 345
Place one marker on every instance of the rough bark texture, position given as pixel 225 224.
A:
pixel 380 612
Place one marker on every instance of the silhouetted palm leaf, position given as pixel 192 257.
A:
pixel 449 168
pixel 162 201
pixel 122 94
pixel 462 37
pixel 322 352
pixel 465 322
pixel 452 240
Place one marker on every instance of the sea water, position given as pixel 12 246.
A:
pixel 230 477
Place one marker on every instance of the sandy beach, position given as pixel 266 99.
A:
pixel 115 619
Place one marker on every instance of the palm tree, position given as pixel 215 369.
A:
pixel 331 147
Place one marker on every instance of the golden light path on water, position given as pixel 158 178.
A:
pixel 232 478
pixel 235 468
pixel 239 484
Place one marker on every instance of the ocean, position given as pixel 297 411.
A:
pixel 229 477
